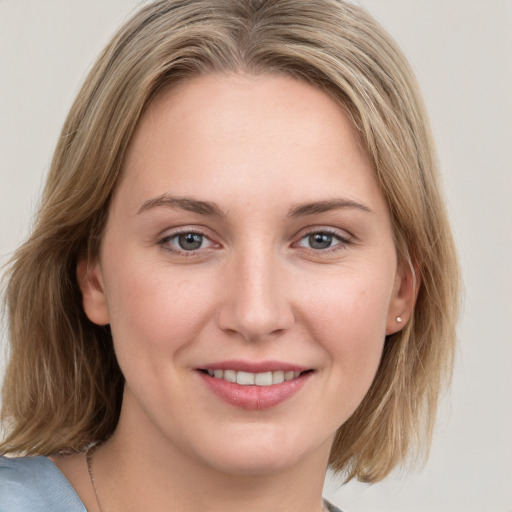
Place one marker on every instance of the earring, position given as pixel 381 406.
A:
pixel 399 319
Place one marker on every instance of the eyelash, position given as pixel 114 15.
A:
pixel 343 242
pixel 166 241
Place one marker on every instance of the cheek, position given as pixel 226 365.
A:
pixel 155 310
pixel 349 320
pixel 352 302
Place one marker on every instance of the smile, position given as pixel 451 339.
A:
pixel 254 379
pixel 255 386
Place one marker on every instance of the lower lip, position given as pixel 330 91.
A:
pixel 254 398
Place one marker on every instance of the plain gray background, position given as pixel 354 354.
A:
pixel 461 51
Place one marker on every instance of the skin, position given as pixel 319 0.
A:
pixel 257 289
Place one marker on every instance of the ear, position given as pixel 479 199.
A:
pixel 90 281
pixel 405 292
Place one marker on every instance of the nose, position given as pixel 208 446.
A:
pixel 256 301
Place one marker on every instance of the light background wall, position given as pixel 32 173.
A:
pixel 461 51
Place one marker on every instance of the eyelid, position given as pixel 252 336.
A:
pixel 345 239
pixel 165 239
pixel 343 234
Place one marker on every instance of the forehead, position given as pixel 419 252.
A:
pixel 229 131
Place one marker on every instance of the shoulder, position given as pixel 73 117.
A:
pixel 35 484
pixel 330 507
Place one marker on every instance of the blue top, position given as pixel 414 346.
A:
pixel 35 484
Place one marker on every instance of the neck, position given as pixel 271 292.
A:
pixel 143 473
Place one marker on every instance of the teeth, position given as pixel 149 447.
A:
pixel 288 376
pixel 277 377
pixel 254 379
pixel 245 378
pixel 229 375
pixel 263 379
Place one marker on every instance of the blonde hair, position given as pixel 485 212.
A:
pixel 63 387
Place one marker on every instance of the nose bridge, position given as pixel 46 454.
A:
pixel 257 304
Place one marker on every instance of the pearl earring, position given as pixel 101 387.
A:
pixel 399 319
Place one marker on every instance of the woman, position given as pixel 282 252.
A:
pixel 241 273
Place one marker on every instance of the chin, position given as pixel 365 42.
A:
pixel 255 464
pixel 262 453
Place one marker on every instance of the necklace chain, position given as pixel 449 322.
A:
pixel 88 458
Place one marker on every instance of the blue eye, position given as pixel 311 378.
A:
pixel 321 240
pixel 187 241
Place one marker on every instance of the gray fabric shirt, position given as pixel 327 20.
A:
pixel 35 484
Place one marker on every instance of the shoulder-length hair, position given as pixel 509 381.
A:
pixel 63 387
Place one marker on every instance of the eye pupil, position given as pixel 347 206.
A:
pixel 190 241
pixel 320 240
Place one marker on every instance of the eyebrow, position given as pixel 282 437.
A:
pixel 185 203
pixel 209 208
pixel 326 206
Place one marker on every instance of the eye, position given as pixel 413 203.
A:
pixel 322 240
pixel 189 241
pixel 186 241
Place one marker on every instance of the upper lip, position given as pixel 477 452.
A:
pixel 254 366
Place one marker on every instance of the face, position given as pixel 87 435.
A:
pixel 248 273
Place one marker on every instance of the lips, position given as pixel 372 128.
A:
pixel 254 386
